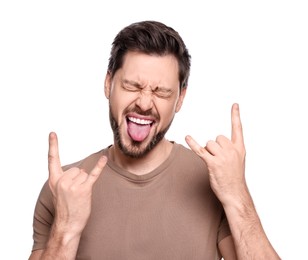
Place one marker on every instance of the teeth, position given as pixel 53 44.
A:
pixel 139 121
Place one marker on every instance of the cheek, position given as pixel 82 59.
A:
pixel 115 106
pixel 167 111
pixel 118 104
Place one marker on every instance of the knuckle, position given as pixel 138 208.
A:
pixel 220 137
pixel 75 169
pixel 74 188
pixel 63 185
pixel 200 151
pixel 209 143
pixel 50 158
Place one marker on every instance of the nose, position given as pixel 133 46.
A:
pixel 145 100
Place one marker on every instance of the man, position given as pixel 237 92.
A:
pixel 145 197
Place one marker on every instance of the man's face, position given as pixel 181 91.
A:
pixel 144 96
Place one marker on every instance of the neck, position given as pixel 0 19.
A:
pixel 145 164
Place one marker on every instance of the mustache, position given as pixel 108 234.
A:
pixel 139 111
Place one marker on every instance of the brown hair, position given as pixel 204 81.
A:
pixel 150 37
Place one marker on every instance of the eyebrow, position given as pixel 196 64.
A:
pixel 131 82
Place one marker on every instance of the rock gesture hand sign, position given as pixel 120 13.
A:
pixel 71 190
pixel 225 159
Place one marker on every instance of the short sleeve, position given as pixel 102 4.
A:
pixel 224 229
pixel 43 218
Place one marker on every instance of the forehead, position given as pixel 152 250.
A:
pixel 150 69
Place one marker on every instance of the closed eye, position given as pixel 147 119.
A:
pixel 131 86
pixel 162 92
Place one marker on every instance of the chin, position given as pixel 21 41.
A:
pixel 136 149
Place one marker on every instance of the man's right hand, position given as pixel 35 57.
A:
pixel 72 195
pixel 71 190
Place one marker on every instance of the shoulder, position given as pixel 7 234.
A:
pixel 88 162
pixel 185 157
pixel 185 153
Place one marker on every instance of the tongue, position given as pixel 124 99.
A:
pixel 138 132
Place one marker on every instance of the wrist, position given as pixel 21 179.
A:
pixel 237 199
pixel 65 234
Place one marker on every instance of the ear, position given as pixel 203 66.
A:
pixel 107 86
pixel 180 100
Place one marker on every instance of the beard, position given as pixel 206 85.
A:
pixel 135 149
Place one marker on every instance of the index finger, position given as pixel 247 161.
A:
pixel 237 129
pixel 54 165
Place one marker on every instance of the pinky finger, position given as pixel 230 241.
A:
pixel 96 171
pixel 195 147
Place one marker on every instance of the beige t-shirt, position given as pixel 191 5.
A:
pixel 169 213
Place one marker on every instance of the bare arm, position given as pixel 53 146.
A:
pixel 248 240
pixel 72 193
pixel 36 255
pixel 225 159
pixel 249 236
pixel 61 245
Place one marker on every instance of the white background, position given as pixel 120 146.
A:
pixel 53 58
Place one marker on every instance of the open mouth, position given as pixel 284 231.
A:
pixel 138 128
